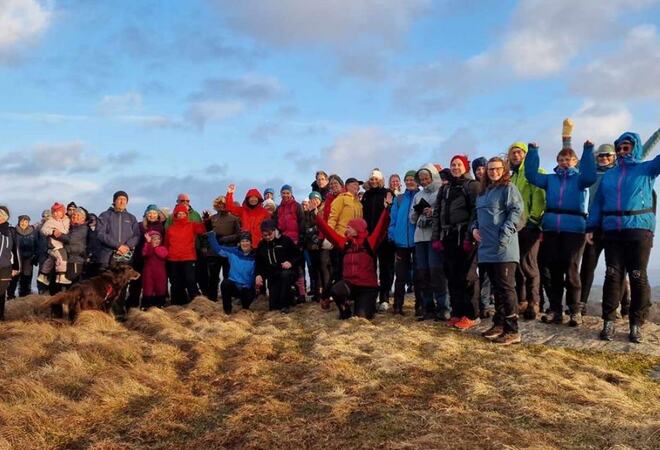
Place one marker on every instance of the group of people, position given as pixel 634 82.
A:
pixel 488 237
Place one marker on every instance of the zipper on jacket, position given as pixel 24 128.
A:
pixel 619 220
pixel 120 228
pixel 562 187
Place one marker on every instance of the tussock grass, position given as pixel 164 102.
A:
pixel 194 378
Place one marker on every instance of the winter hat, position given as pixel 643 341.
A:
pixel 151 207
pixel 359 225
pixel 45 214
pixel 268 225
pixel 180 208
pixel 567 127
pixel 286 187
pixel 521 145
pixel 438 166
pixel 269 191
pixel 315 195
pixel 479 162
pixel 244 236
pixel 57 206
pixel 445 174
pixel 464 160
pixel 269 202
pixel 154 233
pixel 336 177
pixel 605 148
pixel 4 212
pixel 119 194
pixel 24 217
pixel 376 173
pixel 410 173
pixel 71 204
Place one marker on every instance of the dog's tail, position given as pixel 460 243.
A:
pixel 62 298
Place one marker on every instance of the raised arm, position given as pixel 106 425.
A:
pixel 329 233
pixel 587 166
pixel 651 142
pixel 377 236
pixel 532 167
pixel 566 134
pixel 229 202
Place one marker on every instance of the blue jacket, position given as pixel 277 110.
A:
pixel 624 200
pixel 115 229
pixel 566 191
pixel 401 231
pixel 241 266
pixel 499 211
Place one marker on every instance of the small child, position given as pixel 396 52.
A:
pixel 154 274
pixel 54 227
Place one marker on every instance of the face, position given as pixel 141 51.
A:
pixel 155 240
pixel 624 149
pixel 495 170
pixel 270 208
pixel 566 162
pixel 516 156
pixel 353 188
pixel 268 235
pixel 3 219
pixel 374 182
pixel 481 171
pixel 411 184
pixel 305 204
pixel 181 215
pixel 457 168
pixel 220 206
pixel 57 214
pixel 246 246
pixel 395 183
pixel 335 186
pixel 78 218
pixel 268 196
pixel 605 159
pixel 286 195
pixel 120 203
pixel 70 210
pixel 253 201
pixel 24 223
pixel 183 200
pixel 314 203
pixel 92 222
pixel 152 216
pixel 321 180
pixel 425 178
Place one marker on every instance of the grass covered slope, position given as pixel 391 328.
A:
pixel 193 378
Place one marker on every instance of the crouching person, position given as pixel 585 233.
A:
pixel 240 281
pixel 359 283
pixel 277 262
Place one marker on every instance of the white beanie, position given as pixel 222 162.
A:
pixel 376 173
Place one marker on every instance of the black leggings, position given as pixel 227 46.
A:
pixel 229 290
pixel 182 278
pixel 5 279
pixel 280 288
pixel 562 254
pixel 363 298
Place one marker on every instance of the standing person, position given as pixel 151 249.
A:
pixel 180 239
pixel 373 203
pixel 564 224
pixel 453 214
pixel 528 275
pixel 485 297
pixel 402 233
pixel 227 229
pixel 319 275
pixel 289 219
pixel 428 259
pixel 26 236
pixel 151 221
pixel 624 209
pixel 75 244
pixel 269 194
pixel 53 228
pixel 93 264
pixel 240 281
pixel 118 232
pixel 154 270
pixel 10 257
pixel 359 283
pixel 277 257
pixel 499 210
pixel 330 258
pixel 42 250
pixel 251 213
pixel 321 184
pixel 394 184
pixel 71 208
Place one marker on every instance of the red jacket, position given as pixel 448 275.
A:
pixel 180 237
pixel 251 217
pixel 289 218
pixel 327 207
pixel 359 266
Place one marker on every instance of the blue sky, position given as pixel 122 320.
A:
pixel 161 97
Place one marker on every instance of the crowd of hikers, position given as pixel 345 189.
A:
pixel 497 237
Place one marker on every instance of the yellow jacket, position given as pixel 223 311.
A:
pixel 344 208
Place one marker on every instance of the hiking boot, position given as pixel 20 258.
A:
pixel 486 313
pixel 465 324
pixel 62 279
pixel 635 335
pixel 43 279
pixel 425 316
pixel 493 332
pixel 508 338
pixel 575 320
pixel 443 316
pixel 383 307
pixel 531 312
pixel 607 333
pixel 583 309
pixel 553 317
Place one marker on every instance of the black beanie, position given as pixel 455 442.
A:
pixel 71 204
pixel 268 225
pixel 119 194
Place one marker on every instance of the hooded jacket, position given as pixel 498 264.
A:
pixel 344 208
pixel 10 255
pixel 241 266
pixel 114 229
pixel 498 213
pixel 289 218
pixel 251 216
pixel 566 191
pixel 154 272
pixel 423 224
pixel 532 196
pixel 180 237
pixel 50 225
pixel 624 200
pixel 323 191
pixel 401 231
pixel 373 203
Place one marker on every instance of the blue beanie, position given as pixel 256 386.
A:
pixel 315 195
pixel 479 162
pixel 269 191
pixel 286 187
pixel 151 208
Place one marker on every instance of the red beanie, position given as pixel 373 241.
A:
pixel 463 159
pixel 57 206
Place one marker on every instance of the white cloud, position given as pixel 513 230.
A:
pixel 601 122
pixel 201 113
pixel 121 103
pixel 21 21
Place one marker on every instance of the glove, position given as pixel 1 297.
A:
pixel 468 246
pixel 567 127
pixel 437 246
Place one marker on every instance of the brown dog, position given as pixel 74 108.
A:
pixel 96 293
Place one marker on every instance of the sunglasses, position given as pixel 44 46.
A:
pixel 605 155
pixel 624 147
pixel 184 201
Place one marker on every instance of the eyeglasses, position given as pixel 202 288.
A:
pixel 184 201
pixel 493 169
pixel 623 147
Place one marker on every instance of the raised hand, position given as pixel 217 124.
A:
pixel 231 188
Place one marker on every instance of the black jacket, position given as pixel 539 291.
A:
pixel 9 252
pixel 373 203
pixel 455 207
pixel 271 254
pixel 75 243
pixel 27 243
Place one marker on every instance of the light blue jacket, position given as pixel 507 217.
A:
pixel 401 231
pixel 241 266
pixel 566 191
pixel 624 199
pixel 499 211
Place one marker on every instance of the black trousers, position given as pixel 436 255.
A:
pixel 528 276
pixel 230 290
pixel 336 269
pixel 562 254
pixel 385 257
pixel 630 256
pixel 404 264
pixel 462 278
pixel 215 264
pixel 182 279
pixel 5 279
pixel 588 268
pixel 154 300
pixel 22 281
pixel 363 298
pixel 503 286
pixel 281 288
pixel 202 274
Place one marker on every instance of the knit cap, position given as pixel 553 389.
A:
pixel 605 148
pixel 268 225
pixel 245 236
pixel 410 173
pixel 151 207
pixel 315 195
pixel 286 187
pixel 57 207
pixel 464 159
pixel 376 173
pixel 269 191
pixel 119 194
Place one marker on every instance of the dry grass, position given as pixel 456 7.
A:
pixel 195 378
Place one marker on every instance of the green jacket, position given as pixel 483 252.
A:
pixel 533 197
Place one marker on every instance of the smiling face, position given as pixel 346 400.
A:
pixel 24 224
pixel 411 184
pixel 286 195
pixel 353 187
pixel 335 186
pixel 253 201
pixel 57 214
pixel 605 159
pixel 566 161
pixel 624 149
pixel 152 216
pixel 457 168
pixel 245 245
pixel 495 170
pixel 425 178
pixel 395 183
pixel 480 172
pixel 155 240
pixel 516 156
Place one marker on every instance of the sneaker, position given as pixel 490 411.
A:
pixel 583 309
pixel 43 279
pixel 443 316
pixel 635 335
pixel 383 307
pixel 607 334
pixel 62 279
pixel 486 313
pixel 508 338
pixel 493 332
pixel 553 317
pixel 452 321
pixel 466 324
pixel 575 320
